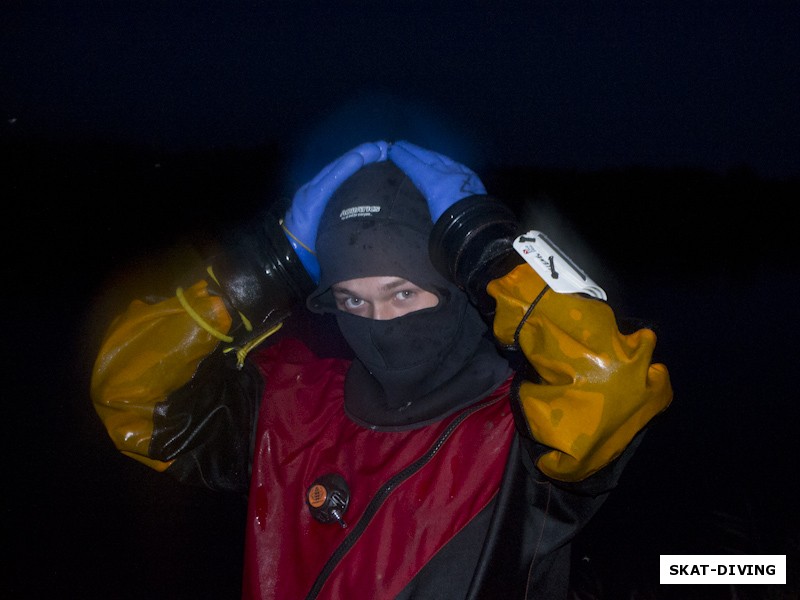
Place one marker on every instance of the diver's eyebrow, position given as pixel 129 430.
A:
pixel 396 284
pixel 342 291
pixel 386 287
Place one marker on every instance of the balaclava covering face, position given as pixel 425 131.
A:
pixel 419 367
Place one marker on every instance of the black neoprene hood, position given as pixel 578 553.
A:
pixel 420 366
pixel 376 224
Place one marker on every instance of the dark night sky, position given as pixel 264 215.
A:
pixel 664 136
pixel 576 85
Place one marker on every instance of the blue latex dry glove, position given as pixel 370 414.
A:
pixel 302 219
pixel 441 180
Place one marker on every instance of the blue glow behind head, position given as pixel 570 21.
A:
pixel 374 116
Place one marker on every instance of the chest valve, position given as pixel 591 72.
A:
pixel 327 499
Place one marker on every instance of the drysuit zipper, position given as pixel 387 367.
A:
pixel 381 496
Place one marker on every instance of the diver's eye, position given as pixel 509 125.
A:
pixel 405 294
pixel 352 302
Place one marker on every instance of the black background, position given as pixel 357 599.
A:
pixel 658 147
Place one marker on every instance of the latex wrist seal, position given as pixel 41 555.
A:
pixel 260 277
pixel 471 244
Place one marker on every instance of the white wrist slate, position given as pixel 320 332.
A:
pixel 555 267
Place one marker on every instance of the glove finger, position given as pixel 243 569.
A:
pixel 311 199
pixel 408 152
pixel 413 160
pixel 332 176
pixel 373 151
pixel 349 163
pixel 325 185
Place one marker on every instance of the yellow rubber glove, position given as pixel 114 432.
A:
pixel 148 352
pixel 599 387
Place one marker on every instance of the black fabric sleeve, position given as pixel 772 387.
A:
pixel 208 425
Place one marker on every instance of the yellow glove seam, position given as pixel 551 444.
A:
pixel 198 319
